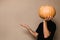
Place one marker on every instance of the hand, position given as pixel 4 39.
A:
pixel 25 26
pixel 48 18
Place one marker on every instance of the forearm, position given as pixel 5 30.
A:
pixel 35 34
pixel 30 30
pixel 45 30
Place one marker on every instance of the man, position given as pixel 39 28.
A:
pixel 47 28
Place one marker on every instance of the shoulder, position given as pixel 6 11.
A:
pixel 51 22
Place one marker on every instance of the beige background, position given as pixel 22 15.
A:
pixel 15 12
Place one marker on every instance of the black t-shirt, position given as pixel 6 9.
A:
pixel 51 27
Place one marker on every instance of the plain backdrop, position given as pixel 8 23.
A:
pixel 15 12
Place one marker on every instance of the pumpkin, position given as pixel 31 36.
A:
pixel 45 11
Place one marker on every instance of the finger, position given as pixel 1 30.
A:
pixel 22 25
pixel 26 25
pixel 50 16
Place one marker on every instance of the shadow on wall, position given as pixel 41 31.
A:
pixel 56 36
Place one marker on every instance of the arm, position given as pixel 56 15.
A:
pixel 35 34
pixel 45 30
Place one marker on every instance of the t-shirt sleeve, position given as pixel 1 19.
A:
pixel 38 30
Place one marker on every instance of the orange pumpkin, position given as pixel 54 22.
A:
pixel 45 11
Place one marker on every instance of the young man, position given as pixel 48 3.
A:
pixel 46 29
